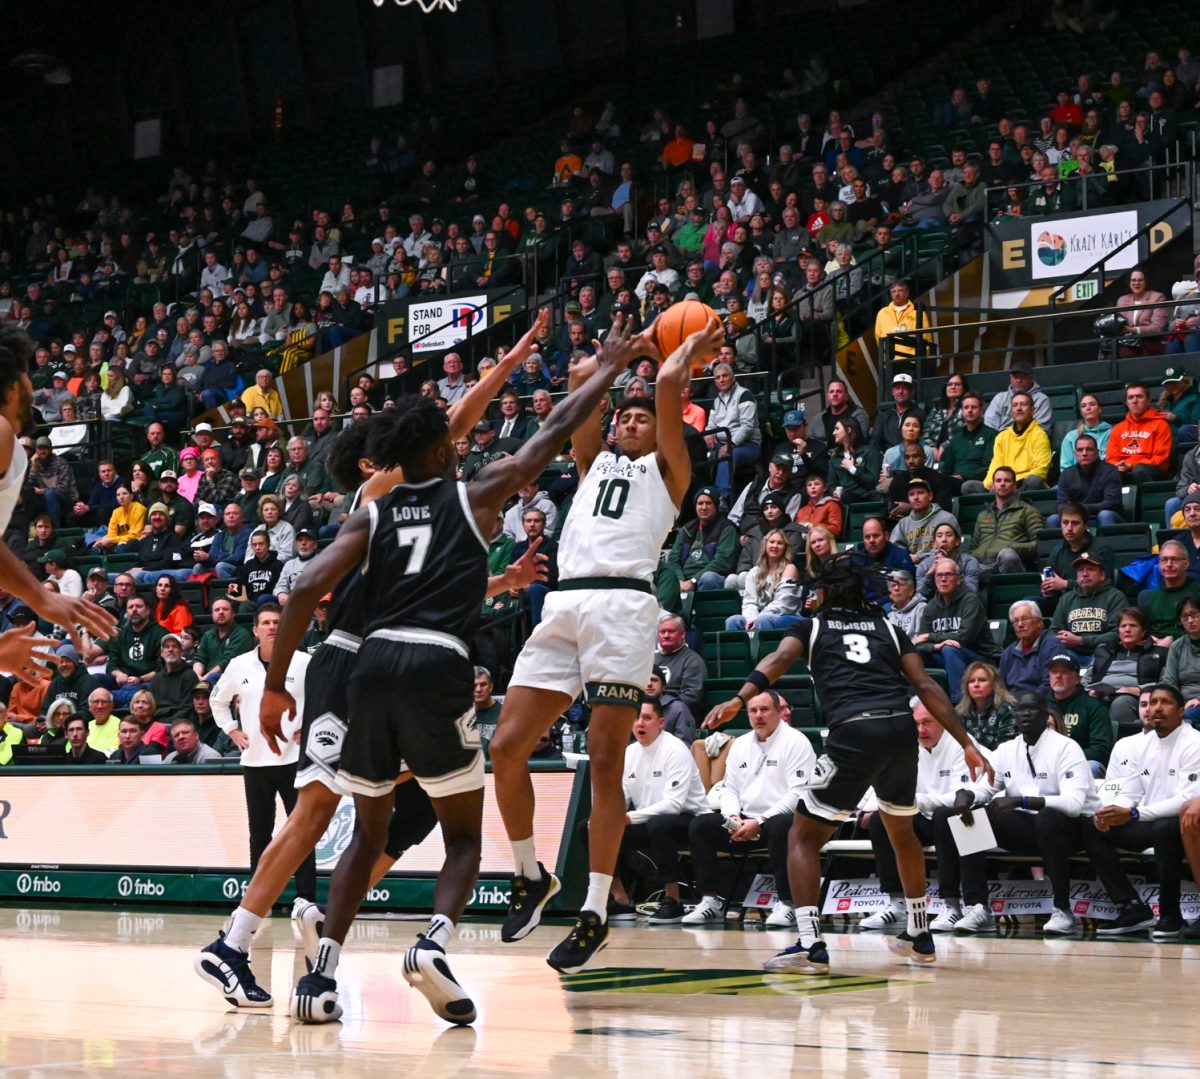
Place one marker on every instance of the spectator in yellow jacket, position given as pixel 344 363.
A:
pixel 899 315
pixel 125 524
pixel 1023 447
pixel 264 395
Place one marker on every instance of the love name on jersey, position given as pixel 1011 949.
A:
pixel 411 513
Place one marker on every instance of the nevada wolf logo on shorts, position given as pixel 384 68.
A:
pixel 325 737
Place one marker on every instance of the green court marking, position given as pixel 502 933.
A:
pixel 680 982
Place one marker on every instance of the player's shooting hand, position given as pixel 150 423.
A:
pixel 646 344
pixel 21 654
pixel 275 703
pixel 530 567
pixel 722 714
pixel 71 612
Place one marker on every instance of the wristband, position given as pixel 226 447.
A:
pixel 1024 802
pixel 1133 813
pixel 758 680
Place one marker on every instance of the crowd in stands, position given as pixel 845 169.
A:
pixel 147 316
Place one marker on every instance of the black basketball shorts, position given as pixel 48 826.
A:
pixel 411 699
pixel 863 752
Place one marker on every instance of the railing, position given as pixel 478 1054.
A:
pixel 1097 267
pixel 1104 347
pixel 1179 173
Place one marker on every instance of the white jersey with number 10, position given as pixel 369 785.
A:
pixel 619 520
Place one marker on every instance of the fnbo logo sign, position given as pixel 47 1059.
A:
pixel 137 886
pixel 31 884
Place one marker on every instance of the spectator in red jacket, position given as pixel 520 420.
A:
pixel 1140 445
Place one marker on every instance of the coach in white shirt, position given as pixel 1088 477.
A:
pixel 764 774
pixel 1145 813
pixel 264 775
pixel 942 775
pixel 1039 804
pixel 664 793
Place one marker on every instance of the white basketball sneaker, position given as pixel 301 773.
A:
pixel 889 917
pixel 946 921
pixel 782 916
pixel 709 911
pixel 976 919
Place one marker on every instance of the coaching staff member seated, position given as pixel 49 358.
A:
pixel 764 774
pixel 664 793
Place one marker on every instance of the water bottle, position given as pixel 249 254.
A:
pixel 568 738
pixel 581 741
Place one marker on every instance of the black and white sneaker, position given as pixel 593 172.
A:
pixel 426 970
pixel 621 912
pixel 1168 927
pixel 669 912
pixel 800 960
pixel 308 923
pixel 918 949
pixel 1134 917
pixel 228 971
pixel 526 903
pixel 589 936
pixel 315 1000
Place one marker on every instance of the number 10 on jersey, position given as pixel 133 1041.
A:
pixel 611 498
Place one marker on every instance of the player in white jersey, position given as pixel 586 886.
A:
pixel 19 652
pixel 597 635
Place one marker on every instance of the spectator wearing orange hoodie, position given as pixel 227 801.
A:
pixel 820 508
pixel 1140 445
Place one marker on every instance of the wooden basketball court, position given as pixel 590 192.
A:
pixel 101 992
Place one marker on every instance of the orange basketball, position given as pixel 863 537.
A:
pixel 678 322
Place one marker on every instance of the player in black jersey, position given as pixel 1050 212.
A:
pixel 225 963
pixel 423 554
pixel 863 668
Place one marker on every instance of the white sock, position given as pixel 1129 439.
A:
pixel 599 885
pixel 808 922
pixel 918 915
pixel 525 859
pixel 329 951
pixel 241 928
pixel 440 930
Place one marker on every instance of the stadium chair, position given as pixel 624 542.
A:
pixel 806 709
pixel 728 654
pixel 999 628
pixel 1047 540
pixel 1133 538
pixel 939 676
pixel 967 509
pixel 1063 402
pixel 1129 496
pixel 1152 500
pixel 1005 589
pixel 710 609
pixel 1045 502
pixel 859 512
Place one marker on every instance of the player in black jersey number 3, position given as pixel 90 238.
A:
pixel 862 667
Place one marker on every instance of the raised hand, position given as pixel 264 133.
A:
pixel 530 567
pixel 72 612
pixel 722 714
pixel 21 654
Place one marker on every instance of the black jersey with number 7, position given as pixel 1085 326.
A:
pixel 855 662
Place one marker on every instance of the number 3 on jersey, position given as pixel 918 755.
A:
pixel 611 498
pixel 415 539
pixel 858 648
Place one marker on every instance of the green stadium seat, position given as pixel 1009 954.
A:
pixel 1133 538
pixel 710 609
pixel 999 628
pixel 1152 499
pixel 728 654
pixel 1005 589
pixel 1129 496
pixel 1047 540
pixel 859 512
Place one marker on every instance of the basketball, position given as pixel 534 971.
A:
pixel 674 325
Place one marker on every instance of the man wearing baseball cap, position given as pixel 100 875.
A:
pixel 49 401
pixel 779 479
pixel 173 682
pixel 809 454
pixel 1085 718
pixel 58 569
pixel 1180 403
pixel 306 549
pixel 180 512
pixel 161 549
pixel 1087 615
pixel 886 432
pixel 1020 380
